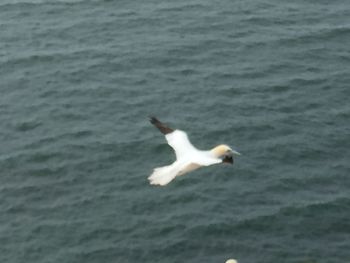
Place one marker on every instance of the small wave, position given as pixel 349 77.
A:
pixel 27 125
pixel 39 2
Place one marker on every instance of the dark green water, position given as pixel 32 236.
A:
pixel 78 80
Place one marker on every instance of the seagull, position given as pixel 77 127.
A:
pixel 188 157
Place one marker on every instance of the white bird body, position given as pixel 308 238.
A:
pixel 188 157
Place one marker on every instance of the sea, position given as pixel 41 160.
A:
pixel 78 82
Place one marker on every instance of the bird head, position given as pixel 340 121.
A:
pixel 225 153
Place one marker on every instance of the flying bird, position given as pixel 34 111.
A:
pixel 188 157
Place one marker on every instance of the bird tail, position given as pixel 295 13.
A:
pixel 163 175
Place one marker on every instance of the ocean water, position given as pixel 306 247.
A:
pixel 78 80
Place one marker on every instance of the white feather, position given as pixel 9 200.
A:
pixel 163 175
pixel 188 158
pixel 179 141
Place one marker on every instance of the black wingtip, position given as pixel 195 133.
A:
pixel 161 126
pixel 153 119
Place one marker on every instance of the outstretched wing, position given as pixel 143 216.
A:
pixel 161 126
pixel 177 139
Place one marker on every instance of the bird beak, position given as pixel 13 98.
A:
pixel 235 152
pixel 228 159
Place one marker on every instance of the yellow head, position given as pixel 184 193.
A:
pixel 221 150
pixel 224 152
